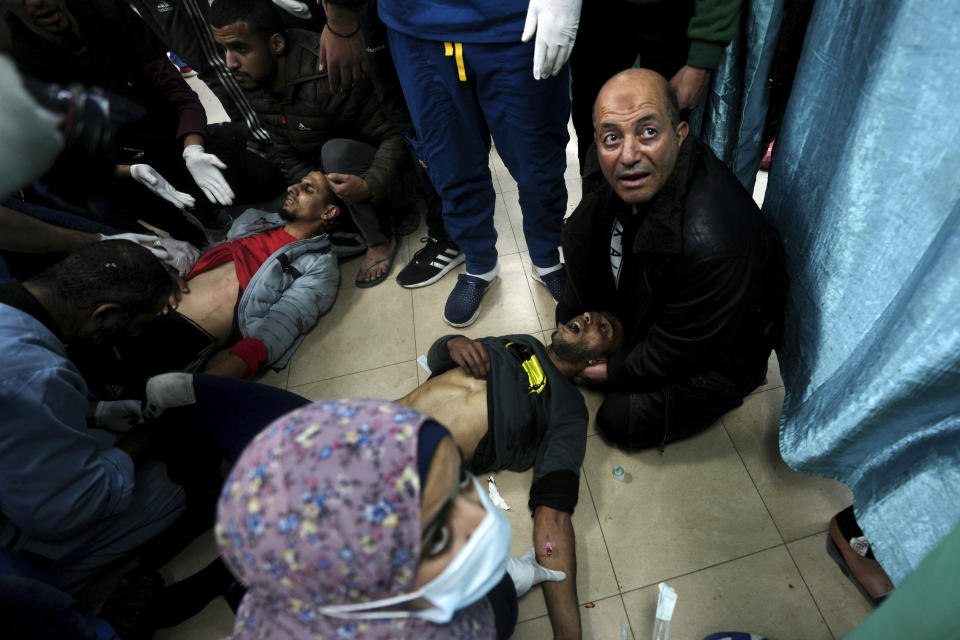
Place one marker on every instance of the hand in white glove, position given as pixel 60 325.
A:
pixel 555 22
pixel 294 8
pixel 176 253
pixel 148 177
pixel 117 415
pixel 205 169
pixel 525 572
pixel 168 391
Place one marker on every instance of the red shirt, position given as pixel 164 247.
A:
pixel 247 254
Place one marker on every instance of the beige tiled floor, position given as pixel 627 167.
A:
pixel 719 516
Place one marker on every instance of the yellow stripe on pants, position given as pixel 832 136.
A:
pixel 455 49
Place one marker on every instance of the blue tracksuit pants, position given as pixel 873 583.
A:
pixel 459 94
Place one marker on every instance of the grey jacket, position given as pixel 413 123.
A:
pixel 291 290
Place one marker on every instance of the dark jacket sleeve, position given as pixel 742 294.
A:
pixel 703 310
pixel 167 82
pixel 710 30
pixel 556 476
pixel 438 358
pixel 391 155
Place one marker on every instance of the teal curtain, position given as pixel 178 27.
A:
pixel 865 190
pixel 731 118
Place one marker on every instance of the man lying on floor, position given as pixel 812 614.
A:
pixel 509 404
pixel 258 293
pixel 532 416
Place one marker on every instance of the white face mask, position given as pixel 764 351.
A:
pixel 472 573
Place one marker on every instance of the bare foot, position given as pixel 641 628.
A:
pixel 376 263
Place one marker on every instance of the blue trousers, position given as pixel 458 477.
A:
pixel 461 94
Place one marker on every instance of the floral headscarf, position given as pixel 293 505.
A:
pixel 323 508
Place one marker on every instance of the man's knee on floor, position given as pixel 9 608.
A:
pixel 613 421
pixel 343 155
pixel 631 420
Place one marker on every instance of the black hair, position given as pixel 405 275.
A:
pixel 260 16
pixel 111 271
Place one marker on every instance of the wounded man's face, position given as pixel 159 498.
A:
pixel 587 336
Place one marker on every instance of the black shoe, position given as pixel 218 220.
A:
pixel 429 264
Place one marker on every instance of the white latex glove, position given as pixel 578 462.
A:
pixel 167 391
pixel 178 254
pixel 148 177
pixel 555 22
pixel 294 8
pixel 525 572
pixel 205 169
pixel 117 415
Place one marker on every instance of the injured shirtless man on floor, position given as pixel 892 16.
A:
pixel 258 293
pixel 510 404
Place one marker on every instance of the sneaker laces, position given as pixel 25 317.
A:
pixel 427 243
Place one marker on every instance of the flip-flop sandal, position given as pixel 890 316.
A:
pixel 364 268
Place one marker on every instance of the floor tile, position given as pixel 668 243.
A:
pixel 506 181
pixel 507 308
pixel 762 593
pixel 495 163
pixel 774 379
pixel 572 169
pixel 605 620
pixel 208 99
pixel 842 606
pixel 213 622
pixel 411 244
pixel 273 378
pixel 685 509
pixel 594 573
pixel 574 193
pixel 593 399
pixel 542 300
pixel 197 555
pixel 508 242
pixel 799 504
pixel 340 343
pixel 390 382
pixel 760 187
pixel 511 200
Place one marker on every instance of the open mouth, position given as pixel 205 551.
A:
pixel 47 16
pixel 634 179
pixel 575 326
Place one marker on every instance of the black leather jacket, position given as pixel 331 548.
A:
pixel 701 287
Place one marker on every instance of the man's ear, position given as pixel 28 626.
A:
pixel 104 311
pixel 330 212
pixel 683 129
pixel 278 44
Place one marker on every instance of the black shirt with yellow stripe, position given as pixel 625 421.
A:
pixel 536 418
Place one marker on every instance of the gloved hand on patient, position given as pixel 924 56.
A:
pixel 526 572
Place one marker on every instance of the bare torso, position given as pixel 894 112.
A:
pixel 459 402
pixel 212 298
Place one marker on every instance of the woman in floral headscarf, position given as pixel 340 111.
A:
pixel 323 519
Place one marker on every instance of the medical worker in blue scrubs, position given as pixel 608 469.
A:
pixel 465 68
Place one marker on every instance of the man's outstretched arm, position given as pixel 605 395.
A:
pixel 556 528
